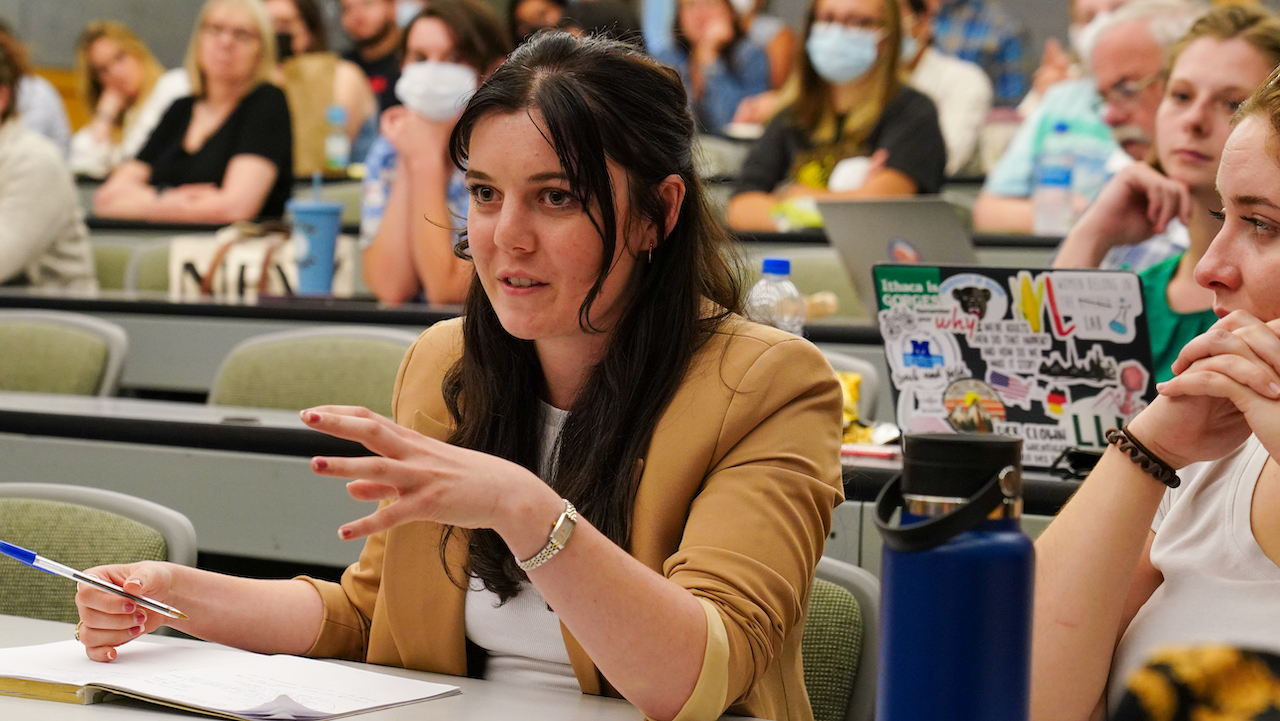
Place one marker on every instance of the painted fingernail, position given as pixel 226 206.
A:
pixel 129 607
pixel 111 654
pixel 140 618
pixel 319 463
pixel 312 417
pixel 135 630
pixel 345 533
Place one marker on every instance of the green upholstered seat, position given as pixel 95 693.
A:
pixel 300 369
pixel 45 358
pixel 149 268
pixel 75 535
pixel 831 647
pixel 110 262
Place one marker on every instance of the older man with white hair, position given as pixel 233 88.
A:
pixel 1097 117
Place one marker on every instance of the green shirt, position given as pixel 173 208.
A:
pixel 1169 330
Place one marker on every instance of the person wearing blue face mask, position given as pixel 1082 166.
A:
pixel 847 126
pixel 960 89
pixel 719 65
pixel 415 202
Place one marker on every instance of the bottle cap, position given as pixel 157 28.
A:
pixel 336 115
pixel 777 266
pixel 1061 127
pixel 955 465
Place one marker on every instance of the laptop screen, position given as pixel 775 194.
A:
pixel 1054 357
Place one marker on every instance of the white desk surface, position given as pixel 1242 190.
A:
pixel 479 701
pixel 143 409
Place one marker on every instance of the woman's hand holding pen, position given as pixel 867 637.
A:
pixel 429 480
pixel 1230 378
pixel 108 620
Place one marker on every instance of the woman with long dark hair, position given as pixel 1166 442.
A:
pixel 601 477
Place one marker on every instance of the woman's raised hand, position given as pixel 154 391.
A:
pixel 425 479
pixel 108 620
pixel 415 137
pixel 1228 382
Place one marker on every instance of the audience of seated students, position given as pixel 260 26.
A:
pixel 983 32
pixel 128 91
pixel 1224 58
pixel 526 17
pixel 772 34
pixel 700 451
pixel 225 153
pixel 375 38
pixel 612 19
pixel 43 240
pixel 834 111
pixel 40 105
pixel 1058 64
pixel 719 64
pixel 415 200
pixel 313 79
pixel 959 89
pixel 1117 107
pixel 1129 566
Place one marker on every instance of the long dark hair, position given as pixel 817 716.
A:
pixel 728 53
pixel 599 100
pixel 476 30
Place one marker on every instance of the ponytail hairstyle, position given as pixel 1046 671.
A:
pixel 599 100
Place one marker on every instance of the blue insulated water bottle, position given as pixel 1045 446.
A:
pixel 956 583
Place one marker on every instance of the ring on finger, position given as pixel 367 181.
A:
pixel 78 625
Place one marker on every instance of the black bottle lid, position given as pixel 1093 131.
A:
pixel 955 465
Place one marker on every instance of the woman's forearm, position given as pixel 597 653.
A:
pixel 256 615
pixel 444 276
pixel 125 200
pixel 1085 566
pixel 645 633
pixel 752 211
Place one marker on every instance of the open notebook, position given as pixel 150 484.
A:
pixel 211 680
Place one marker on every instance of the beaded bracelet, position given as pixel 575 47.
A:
pixel 1146 460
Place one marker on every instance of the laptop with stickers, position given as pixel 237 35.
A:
pixel 1055 357
pixel 920 229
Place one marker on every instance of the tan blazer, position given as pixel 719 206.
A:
pixel 734 504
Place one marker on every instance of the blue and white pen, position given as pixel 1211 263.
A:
pixel 31 558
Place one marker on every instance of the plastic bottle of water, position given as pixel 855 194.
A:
pixel 774 300
pixel 1052 196
pixel 337 146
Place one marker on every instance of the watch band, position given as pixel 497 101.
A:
pixel 560 533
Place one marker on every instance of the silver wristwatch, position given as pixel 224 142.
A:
pixel 560 533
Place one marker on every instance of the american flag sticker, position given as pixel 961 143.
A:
pixel 1010 387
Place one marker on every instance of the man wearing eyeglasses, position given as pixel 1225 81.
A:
pixel 1110 117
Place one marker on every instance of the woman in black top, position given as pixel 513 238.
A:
pixel 844 100
pixel 225 153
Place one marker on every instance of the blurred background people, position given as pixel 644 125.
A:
pixel 770 33
pixel 224 153
pixel 982 32
pixel 848 127
pixel 375 41
pixel 1104 122
pixel 719 64
pixel 526 17
pixel 609 18
pixel 313 80
pixel 415 200
pixel 126 89
pixel 40 106
pixel 959 89
pixel 1058 64
pixel 43 240
pixel 1225 57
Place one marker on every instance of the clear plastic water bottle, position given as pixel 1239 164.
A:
pixel 1054 211
pixel 774 300
pixel 337 146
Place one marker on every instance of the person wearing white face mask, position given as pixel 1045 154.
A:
pixel 843 105
pixel 960 89
pixel 1088 18
pixel 415 202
